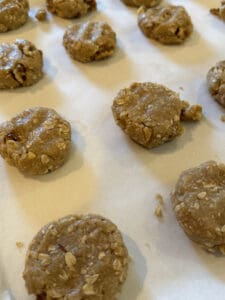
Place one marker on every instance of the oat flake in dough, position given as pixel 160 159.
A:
pixel 146 3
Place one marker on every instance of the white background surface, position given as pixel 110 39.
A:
pixel 107 173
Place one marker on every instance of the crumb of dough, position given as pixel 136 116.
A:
pixel 19 245
pixel 219 12
pixel 158 211
pixel 181 88
pixel 159 197
pixel 191 113
pixel 41 14
pixel 222 118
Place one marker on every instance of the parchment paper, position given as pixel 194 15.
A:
pixel 107 173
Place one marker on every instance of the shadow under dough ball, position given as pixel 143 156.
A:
pixel 77 257
pixel 199 204
pixel 20 64
pixel 36 141
pixel 71 8
pixel 216 82
pixel 146 3
pixel 167 25
pixel 89 41
pixel 151 114
pixel 13 14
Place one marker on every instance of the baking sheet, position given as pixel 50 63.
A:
pixel 107 173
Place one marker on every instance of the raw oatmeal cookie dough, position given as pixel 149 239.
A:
pixel 219 12
pixel 20 64
pixel 151 114
pixel 13 14
pixel 216 82
pixel 71 8
pixel 167 25
pixel 36 141
pixel 77 257
pixel 199 204
pixel 146 3
pixel 89 41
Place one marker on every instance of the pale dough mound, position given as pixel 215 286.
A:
pixel 13 14
pixel 151 114
pixel 20 64
pixel 216 82
pixel 146 3
pixel 77 257
pixel 71 8
pixel 167 25
pixel 36 141
pixel 199 204
pixel 89 41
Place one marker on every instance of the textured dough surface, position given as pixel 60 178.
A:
pixel 36 141
pixel 20 64
pixel 77 257
pixel 199 204
pixel 71 8
pixel 151 114
pixel 167 25
pixel 13 14
pixel 216 82
pixel 146 3
pixel 89 41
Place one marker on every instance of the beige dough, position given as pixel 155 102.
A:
pixel 146 3
pixel 167 25
pixel 216 82
pixel 151 114
pixel 20 64
pixel 13 14
pixel 89 41
pixel 199 204
pixel 36 141
pixel 219 12
pixel 77 257
pixel 71 8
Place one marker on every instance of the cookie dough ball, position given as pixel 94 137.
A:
pixel 89 41
pixel 167 25
pixel 77 257
pixel 219 12
pixel 71 8
pixel 20 64
pixel 13 14
pixel 151 114
pixel 216 82
pixel 146 3
pixel 36 141
pixel 199 204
